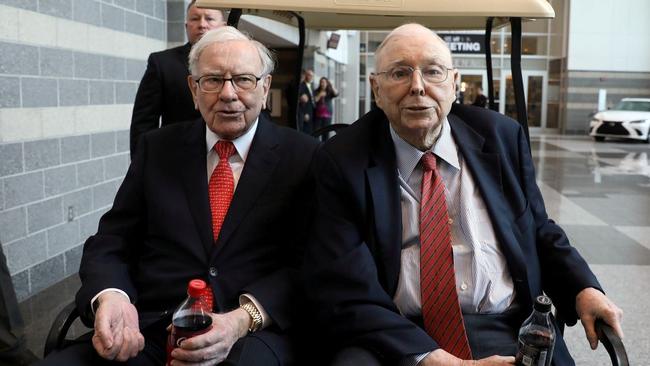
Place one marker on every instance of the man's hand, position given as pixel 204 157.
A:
pixel 213 346
pixel 592 304
pixel 117 333
pixel 442 357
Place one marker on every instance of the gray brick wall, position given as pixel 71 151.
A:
pixel 54 190
pixel 111 14
pixel 48 77
pixel 53 193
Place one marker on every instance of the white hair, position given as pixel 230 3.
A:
pixel 227 34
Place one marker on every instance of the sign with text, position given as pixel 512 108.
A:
pixel 464 43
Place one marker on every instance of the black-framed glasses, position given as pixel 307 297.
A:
pixel 404 74
pixel 214 83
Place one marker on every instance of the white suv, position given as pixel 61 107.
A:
pixel 629 119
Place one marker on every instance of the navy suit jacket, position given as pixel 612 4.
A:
pixel 158 234
pixel 353 258
pixel 163 93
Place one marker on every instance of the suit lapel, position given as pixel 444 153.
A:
pixel 259 166
pixel 486 169
pixel 193 173
pixel 381 176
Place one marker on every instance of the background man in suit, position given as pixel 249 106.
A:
pixel 394 286
pixel 481 99
pixel 163 97
pixel 306 102
pixel 169 224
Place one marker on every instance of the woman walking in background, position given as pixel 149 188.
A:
pixel 323 97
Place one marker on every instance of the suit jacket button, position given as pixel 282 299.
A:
pixel 213 271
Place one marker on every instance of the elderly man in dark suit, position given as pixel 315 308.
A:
pixel 223 198
pixel 431 239
pixel 163 97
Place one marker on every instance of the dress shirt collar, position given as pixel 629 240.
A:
pixel 242 143
pixel 408 156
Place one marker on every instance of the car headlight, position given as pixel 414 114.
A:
pixel 638 121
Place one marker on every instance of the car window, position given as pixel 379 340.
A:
pixel 628 105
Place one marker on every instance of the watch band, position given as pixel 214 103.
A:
pixel 255 315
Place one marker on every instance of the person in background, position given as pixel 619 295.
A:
pixel 163 97
pixel 224 198
pixel 481 99
pixel 306 103
pixel 12 341
pixel 323 97
pixel 430 238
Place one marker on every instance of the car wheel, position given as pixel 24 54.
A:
pixel 599 138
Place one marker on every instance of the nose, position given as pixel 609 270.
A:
pixel 203 23
pixel 417 83
pixel 228 92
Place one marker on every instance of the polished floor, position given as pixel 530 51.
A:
pixel 599 192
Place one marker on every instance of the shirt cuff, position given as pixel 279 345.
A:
pixel 246 298
pixel 414 360
pixel 92 301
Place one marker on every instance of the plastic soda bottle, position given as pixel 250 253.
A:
pixel 191 318
pixel 537 336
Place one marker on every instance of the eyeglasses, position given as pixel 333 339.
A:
pixel 214 83
pixel 430 74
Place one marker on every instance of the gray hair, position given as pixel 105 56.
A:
pixel 226 34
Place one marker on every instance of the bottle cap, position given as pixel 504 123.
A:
pixel 543 304
pixel 196 287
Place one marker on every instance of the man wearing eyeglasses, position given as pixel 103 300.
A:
pixel 224 198
pixel 431 240
pixel 163 97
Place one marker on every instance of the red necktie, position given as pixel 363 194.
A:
pixel 443 319
pixel 221 186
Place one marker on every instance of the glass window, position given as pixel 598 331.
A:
pixel 530 45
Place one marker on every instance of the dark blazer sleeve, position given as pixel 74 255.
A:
pixel 341 275
pixel 147 107
pixel 564 273
pixel 108 255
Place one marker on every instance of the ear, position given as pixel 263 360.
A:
pixel 266 85
pixel 374 86
pixel 194 88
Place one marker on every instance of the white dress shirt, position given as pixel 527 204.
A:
pixel 483 282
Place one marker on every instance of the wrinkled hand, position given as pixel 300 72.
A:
pixel 117 333
pixel 592 304
pixel 441 357
pixel 212 347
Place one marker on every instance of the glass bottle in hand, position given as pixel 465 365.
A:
pixel 537 336
pixel 191 318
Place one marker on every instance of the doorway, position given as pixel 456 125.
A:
pixel 470 81
pixel 534 93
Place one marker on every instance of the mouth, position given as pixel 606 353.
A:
pixel 418 108
pixel 230 113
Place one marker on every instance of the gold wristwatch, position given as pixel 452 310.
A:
pixel 255 314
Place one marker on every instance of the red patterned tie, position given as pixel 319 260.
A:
pixel 221 186
pixel 441 312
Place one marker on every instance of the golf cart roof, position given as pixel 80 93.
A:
pixel 388 14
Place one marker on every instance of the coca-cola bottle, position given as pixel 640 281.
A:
pixel 537 336
pixel 191 318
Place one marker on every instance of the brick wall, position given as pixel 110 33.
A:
pixel 69 71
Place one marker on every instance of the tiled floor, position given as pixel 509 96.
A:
pixel 599 192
